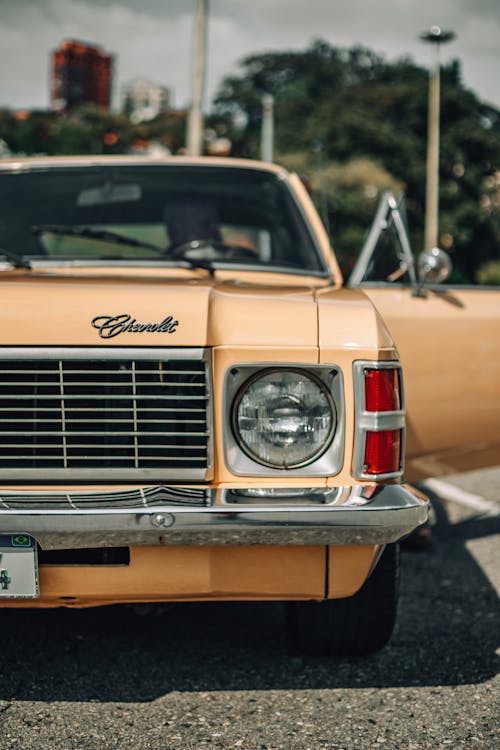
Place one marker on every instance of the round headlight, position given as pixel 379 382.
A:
pixel 283 418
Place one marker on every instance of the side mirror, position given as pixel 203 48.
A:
pixel 434 266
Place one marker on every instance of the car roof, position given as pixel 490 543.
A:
pixel 21 164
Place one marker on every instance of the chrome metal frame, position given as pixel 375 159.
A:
pixel 369 421
pixel 117 474
pixel 389 209
pixel 101 352
pixel 103 499
pixel 328 463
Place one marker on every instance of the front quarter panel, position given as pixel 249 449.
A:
pixel 350 329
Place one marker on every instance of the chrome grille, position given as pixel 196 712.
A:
pixel 98 414
pixel 146 497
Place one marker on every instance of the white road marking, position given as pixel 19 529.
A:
pixel 454 494
pixel 485 553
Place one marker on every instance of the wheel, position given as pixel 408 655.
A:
pixel 356 625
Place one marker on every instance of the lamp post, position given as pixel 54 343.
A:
pixel 195 117
pixel 267 129
pixel 436 36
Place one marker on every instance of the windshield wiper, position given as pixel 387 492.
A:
pixel 94 234
pixel 204 253
pixel 207 250
pixel 16 261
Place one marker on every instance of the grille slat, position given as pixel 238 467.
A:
pixel 115 373
pixel 29 409
pixel 131 458
pixel 74 414
pixel 100 421
pixel 91 384
pixel 98 397
pixel 90 446
pixel 92 433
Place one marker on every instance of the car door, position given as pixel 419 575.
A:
pixel 448 338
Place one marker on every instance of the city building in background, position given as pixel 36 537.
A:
pixel 81 74
pixel 143 100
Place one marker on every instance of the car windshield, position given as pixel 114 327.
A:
pixel 217 216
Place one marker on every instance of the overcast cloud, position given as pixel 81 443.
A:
pixel 153 38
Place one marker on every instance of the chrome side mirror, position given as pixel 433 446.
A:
pixel 434 266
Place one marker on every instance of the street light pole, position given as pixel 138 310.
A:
pixel 195 117
pixel 436 36
pixel 267 128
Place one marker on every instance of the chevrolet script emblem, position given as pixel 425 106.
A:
pixel 111 325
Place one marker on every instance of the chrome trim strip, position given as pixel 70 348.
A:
pixel 62 500
pixel 109 475
pixel 164 264
pixel 377 421
pixel 365 515
pixel 100 352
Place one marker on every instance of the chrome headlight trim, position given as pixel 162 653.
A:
pixel 307 457
pixel 325 462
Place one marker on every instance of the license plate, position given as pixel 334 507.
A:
pixel 18 567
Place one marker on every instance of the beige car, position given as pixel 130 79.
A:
pixel 194 407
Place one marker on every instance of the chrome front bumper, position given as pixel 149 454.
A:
pixel 189 516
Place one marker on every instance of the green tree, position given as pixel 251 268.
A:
pixel 358 106
pixel 87 130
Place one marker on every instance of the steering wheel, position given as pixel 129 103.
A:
pixel 211 250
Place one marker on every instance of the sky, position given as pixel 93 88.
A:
pixel 153 39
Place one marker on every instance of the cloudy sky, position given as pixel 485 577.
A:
pixel 153 38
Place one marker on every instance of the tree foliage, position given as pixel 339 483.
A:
pixel 354 105
pixel 348 120
pixel 88 130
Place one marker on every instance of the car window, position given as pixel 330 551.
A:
pixel 150 212
pixel 388 261
pixel 387 256
pixel 58 245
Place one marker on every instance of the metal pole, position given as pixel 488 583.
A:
pixel 195 120
pixel 267 129
pixel 432 180
pixel 437 36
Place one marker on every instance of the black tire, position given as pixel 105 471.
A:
pixel 355 626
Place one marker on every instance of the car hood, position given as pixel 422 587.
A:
pixel 63 310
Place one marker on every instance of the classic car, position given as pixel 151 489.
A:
pixel 194 406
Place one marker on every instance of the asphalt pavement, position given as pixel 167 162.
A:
pixel 201 676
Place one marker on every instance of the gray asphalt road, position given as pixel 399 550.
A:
pixel 223 676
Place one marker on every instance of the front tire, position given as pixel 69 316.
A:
pixel 356 625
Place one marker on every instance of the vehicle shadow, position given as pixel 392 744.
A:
pixel 445 635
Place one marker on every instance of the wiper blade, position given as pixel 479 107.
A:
pixel 203 253
pixel 16 261
pixel 208 251
pixel 95 234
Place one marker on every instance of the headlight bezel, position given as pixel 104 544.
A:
pixel 327 461
pixel 276 371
